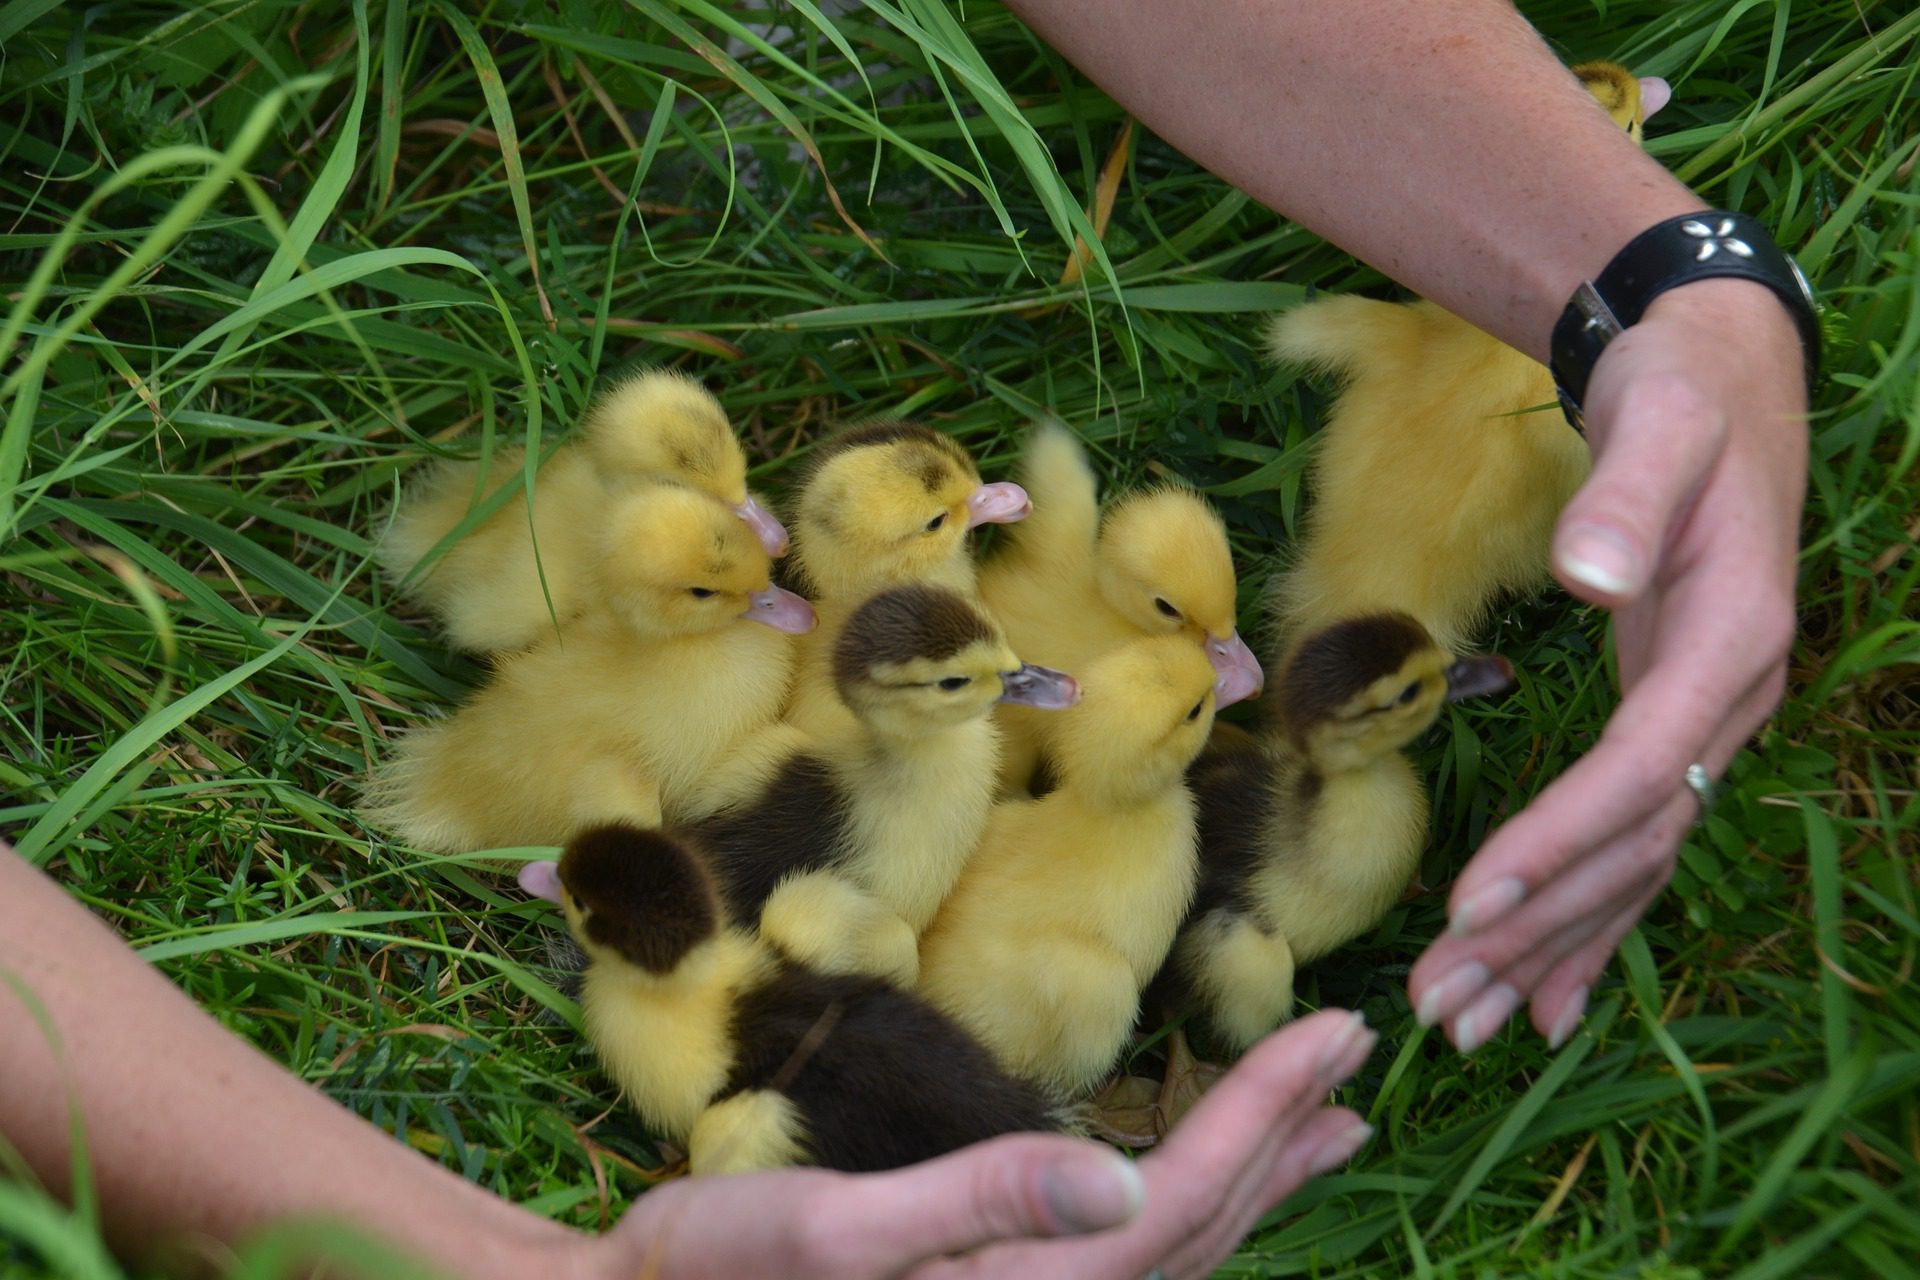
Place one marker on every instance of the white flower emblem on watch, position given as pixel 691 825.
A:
pixel 1715 238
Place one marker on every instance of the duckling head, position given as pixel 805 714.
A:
pixel 1360 688
pixel 664 425
pixel 633 897
pixel 892 502
pixel 1146 712
pixel 915 659
pixel 1164 565
pixel 1631 101
pixel 675 562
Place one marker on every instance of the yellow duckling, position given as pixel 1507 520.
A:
pixel 623 714
pixel 487 587
pixel 883 504
pixel 1309 834
pixel 1446 462
pixel 1069 586
pixel 1072 900
pixel 749 1060
pixel 846 847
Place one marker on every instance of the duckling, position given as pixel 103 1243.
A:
pixel 1072 900
pixel 1069 586
pixel 850 844
pixel 488 587
pixel 883 504
pixel 1309 835
pixel 623 713
pixel 1446 462
pixel 748 1059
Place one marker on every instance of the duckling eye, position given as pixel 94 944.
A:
pixel 933 525
pixel 1409 693
pixel 1197 708
pixel 956 682
pixel 700 593
pixel 1161 603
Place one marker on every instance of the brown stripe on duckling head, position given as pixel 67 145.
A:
pixel 645 894
pixel 1333 665
pixel 903 623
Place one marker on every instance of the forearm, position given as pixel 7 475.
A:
pixel 1440 141
pixel 190 1131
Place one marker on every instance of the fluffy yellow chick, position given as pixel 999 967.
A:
pixel 883 504
pixel 1072 901
pixel 1069 586
pixel 620 716
pixel 1310 833
pixel 846 846
pixel 1445 464
pixel 487 587
pixel 749 1060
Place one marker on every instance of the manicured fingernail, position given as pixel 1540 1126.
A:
pixel 1337 1150
pixel 1488 905
pixel 1484 1017
pixel 1093 1192
pixel 1457 987
pixel 1569 1020
pixel 1340 1048
pixel 1603 559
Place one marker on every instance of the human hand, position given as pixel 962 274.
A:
pixel 1687 530
pixel 1028 1204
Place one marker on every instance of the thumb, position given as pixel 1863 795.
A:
pixel 1016 1187
pixel 1657 433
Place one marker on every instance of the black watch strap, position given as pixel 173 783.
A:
pixel 1694 246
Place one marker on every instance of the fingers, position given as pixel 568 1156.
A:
pixel 1560 997
pixel 1019 1187
pixel 1657 433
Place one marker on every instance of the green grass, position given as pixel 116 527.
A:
pixel 263 258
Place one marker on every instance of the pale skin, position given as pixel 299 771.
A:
pixel 1446 144
pixel 197 1141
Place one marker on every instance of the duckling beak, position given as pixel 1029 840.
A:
pixel 1239 671
pixel 1002 503
pixel 1655 93
pixel 1041 687
pixel 772 534
pixel 1472 677
pixel 782 610
pixel 542 880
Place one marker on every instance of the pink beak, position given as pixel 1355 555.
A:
pixel 1655 93
pixel 782 610
pixel 1041 687
pixel 542 880
pixel 772 534
pixel 1239 671
pixel 1002 503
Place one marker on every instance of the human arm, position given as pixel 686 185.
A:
pixel 1444 143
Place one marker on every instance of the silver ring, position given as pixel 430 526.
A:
pixel 1704 788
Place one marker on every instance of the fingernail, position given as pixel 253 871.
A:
pixel 1093 1192
pixel 1339 1048
pixel 1338 1149
pixel 1484 1017
pixel 1569 1020
pixel 1488 905
pixel 1602 558
pixel 1456 987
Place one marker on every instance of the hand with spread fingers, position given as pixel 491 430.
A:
pixel 1687 530
pixel 1027 1205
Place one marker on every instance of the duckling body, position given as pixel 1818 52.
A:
pixel 1072 900
pixel 750 1060
pixel 624 713
pixel 1309 834
pixel 847 851
pixel 491 589
pixel 1446 461
pixel 1070 587
pixel 885 504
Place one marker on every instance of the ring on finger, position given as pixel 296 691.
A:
pixel 1705 789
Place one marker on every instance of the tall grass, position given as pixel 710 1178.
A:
pixel 263 258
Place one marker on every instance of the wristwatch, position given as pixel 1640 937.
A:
pixel 1693 246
